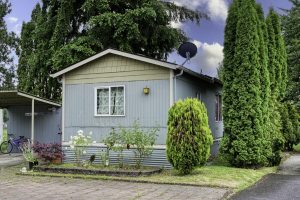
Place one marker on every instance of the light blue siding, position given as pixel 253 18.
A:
pixel 188 86
pixel 151 110
pixel 47 123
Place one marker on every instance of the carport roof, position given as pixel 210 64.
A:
pixel 18 98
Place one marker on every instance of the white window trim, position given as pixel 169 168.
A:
pixel 95 101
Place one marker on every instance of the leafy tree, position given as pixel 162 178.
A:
pixel 35 57
pixel 7 46
pixel 189 137
pixel 291 27
pixel 64 32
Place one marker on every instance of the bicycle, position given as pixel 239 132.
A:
pixel 6 147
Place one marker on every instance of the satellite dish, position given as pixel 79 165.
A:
pixel 187 50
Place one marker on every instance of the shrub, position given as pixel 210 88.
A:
pixel 114 142
pixel 48 152
pixel 135 138
pixel 189 137
pixel 143 142
pixel 79 144
pixel 290 125
pixel 28 152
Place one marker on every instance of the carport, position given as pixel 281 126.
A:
pixel 28 113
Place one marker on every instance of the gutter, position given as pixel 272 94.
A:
pixel 175 87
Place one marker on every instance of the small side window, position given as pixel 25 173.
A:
pixel 218 108
pixel 198 95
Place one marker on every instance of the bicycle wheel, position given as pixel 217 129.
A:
pixel 6 147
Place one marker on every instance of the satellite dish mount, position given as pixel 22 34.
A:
pixel 187 50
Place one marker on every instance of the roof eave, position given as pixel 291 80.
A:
pixel 24 95
pixel 206 78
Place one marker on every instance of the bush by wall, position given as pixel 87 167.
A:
pixel 139 140
pixel 189 137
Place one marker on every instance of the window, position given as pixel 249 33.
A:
pixel 198 95
pixel 218 107
pixel 110 101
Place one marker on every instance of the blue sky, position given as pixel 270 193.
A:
pixel 208 36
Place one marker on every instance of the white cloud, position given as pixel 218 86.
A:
pixel 12 19
pixel 209 57
pixel 197 43
pixel 17 29
pixel 177 25
pixel 216 9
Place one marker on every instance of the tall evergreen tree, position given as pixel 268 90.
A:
pixel 7 46
pixel 63 32
pixel 291 27
pixel 245 142
pixel 228 75
pixel 278 72
pixel 264 72
pixel 290 125
pixel 278 56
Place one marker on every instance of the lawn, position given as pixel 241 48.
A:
pixel 297 148
pixel 216 176
pixel 212 176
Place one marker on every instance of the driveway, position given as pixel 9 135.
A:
pixel 7 160
pixel 285 185
pixel 35 188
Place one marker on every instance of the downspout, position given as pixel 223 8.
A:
pixel 175 86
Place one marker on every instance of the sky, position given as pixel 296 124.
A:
pixel 208 36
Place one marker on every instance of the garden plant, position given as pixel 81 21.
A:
pixel 189 137
pixel 49 153
pixel 79 143
pixel 138 140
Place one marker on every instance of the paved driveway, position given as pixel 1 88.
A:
pixel 36 188
pixel 10 159
pixel 285 185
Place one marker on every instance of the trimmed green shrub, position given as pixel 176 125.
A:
pixel 290 125
pixel 189 137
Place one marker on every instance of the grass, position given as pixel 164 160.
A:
pixel 213 175
pixel 297 148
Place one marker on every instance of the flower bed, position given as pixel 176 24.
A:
pixel 109 171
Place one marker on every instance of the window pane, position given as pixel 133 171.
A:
pixel 103 101
pixel 218 111
pixel 216 108
pixel 220 108
pixel 117 101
